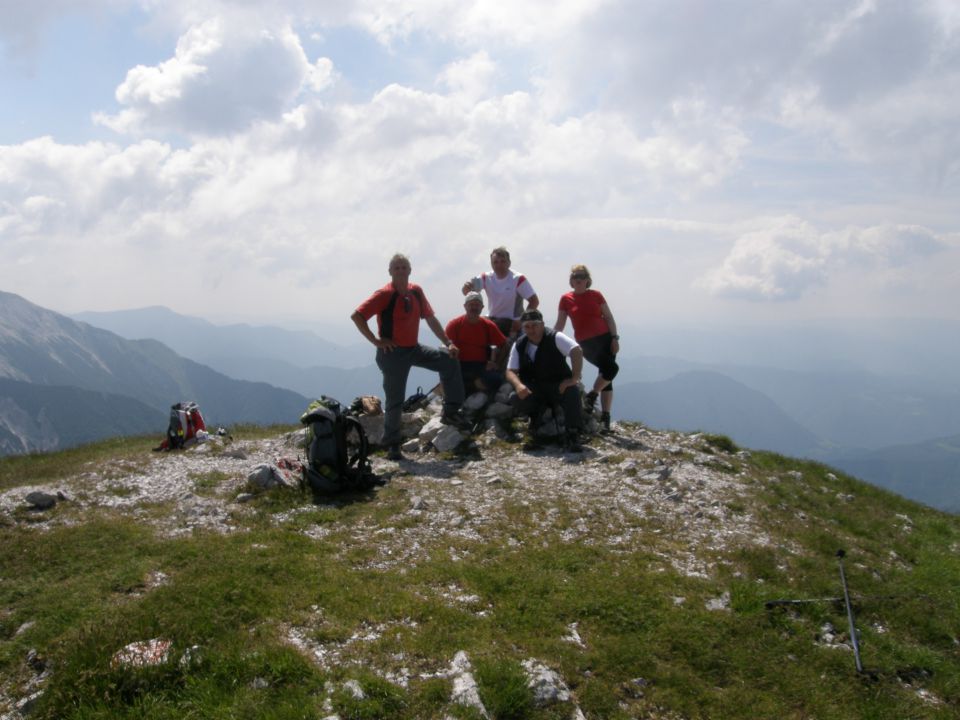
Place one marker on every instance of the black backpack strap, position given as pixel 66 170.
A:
pixel 386 315
pixel 360 459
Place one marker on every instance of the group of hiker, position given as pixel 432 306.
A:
pixel 478 352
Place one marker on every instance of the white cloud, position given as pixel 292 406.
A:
pixel 321 75
pixel 788 257
pixel 869 82
pixel 470 22
pixel 470 78
pixel 224 76
pixel 273 203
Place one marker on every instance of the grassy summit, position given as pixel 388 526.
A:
pixel 640 575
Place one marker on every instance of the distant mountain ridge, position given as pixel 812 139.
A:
pixel 42 348
pixel 927 471
pixel 709 401
pixel 38 418
pixel 297 360
pixel 205 342
pixel 845 408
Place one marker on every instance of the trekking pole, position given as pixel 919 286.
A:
pixel 846 599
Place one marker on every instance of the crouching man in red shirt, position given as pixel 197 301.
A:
pixel 478 339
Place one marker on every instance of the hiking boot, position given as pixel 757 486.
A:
pixel 393 452
pixel 605 422
pixel 456 419
pixel 506 432
pixel 532 426
pixel 590 401
pixel 532 445
pixel 572 443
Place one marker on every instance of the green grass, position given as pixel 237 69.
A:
pixel 720 442
pixel 208 482
pixel 18 470
pixel 651 646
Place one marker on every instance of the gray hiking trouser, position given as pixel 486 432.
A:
pixel 395 366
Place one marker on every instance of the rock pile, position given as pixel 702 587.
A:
pixel 489 413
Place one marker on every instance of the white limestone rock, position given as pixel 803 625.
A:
pixel 547 686
pixel 266 476
pixel 443 437
pixel 465 691
pixel 410 424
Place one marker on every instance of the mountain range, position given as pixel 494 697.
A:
pixel 710 401
pixel 926 471
pixel 213 345
pixel 66 382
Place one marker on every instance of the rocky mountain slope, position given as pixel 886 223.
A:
pixel 44 349
pixel 561 561
pixel 47 417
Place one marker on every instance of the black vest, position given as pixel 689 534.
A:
pixel 548 365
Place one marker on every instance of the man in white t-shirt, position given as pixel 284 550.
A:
pixel 542 378
pixel 506 291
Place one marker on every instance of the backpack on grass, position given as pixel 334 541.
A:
pixel 337 450
pixel 185 421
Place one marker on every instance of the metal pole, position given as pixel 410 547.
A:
pixel 846 599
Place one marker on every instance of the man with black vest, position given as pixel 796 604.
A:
pixel 399 306
pixel 541 377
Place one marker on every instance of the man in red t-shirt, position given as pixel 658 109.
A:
pixel 477 338
pixel 399 307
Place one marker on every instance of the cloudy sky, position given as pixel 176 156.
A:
pixel 739 160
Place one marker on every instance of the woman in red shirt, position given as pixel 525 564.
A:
pixel 596 331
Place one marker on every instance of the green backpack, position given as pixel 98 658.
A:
pixel 337 450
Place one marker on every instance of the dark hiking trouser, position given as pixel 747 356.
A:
pixel 474 371
pixel 395 366
pixel 505 326
pixel 547 395
pixel 596 351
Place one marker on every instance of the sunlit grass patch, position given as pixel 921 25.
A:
pixel 208 483
pixel 37 468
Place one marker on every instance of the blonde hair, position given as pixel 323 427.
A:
pixel 582 269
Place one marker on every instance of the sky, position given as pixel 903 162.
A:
pixel 739 161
